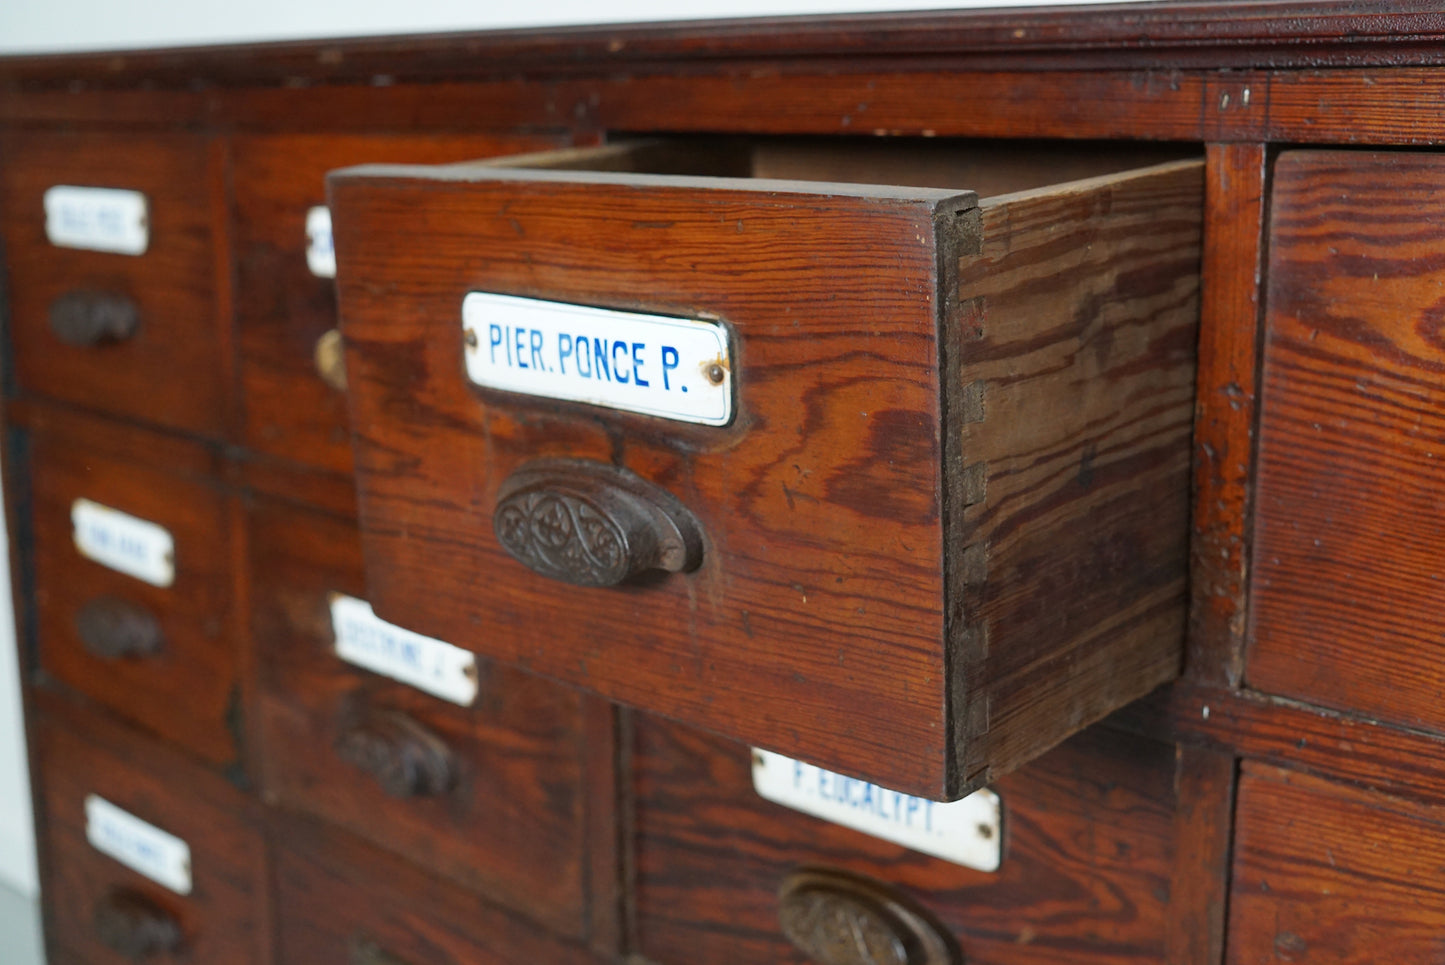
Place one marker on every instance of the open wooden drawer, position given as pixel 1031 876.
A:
pixel 893 479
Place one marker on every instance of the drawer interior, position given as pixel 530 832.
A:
pixel 986 167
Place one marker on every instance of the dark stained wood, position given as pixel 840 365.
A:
pixel 1204 782
pixel 336 894
pixel 513 822
pixel 76 754
pixel 1224 413
pixel 282 309
pixel 1347 585
pixel 1328 875
pixel 1089 855
pixel 605 783
pixel 173 370
pixel 823 529
pixel 1264 32
pixel 1289 733
pixel 189 691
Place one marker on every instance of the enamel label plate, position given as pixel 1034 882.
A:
pixel 97 219
pixel 966 832
pixel 366 640
pixel 659 365
pixel 141 847
pixel 124 542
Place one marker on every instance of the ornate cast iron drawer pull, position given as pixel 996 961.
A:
pixel 591 524
pixel 406 759
pixel 135 927
pixel 840 919
pixel 112 628
pixel 83 319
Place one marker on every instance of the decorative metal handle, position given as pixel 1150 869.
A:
pixel 134 927
pixel 86 319
pixel 591 524
pixel 405 758
pixel 837 918
pixel 364 951
pixel 113 628
pixel 330 359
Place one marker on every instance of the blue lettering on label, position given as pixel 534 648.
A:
pixel 896 807
pixel 582 357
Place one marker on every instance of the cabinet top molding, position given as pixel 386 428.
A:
pixel 1258 34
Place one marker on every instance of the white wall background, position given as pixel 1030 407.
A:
pixel 36 26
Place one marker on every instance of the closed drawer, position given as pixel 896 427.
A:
pixel 146 856
pixel 292 380
pixel 935 412
pixel 134 334
pixel 491 795
pixel 340 901
pixel 1326 874
pixel 1347 599
pixel 161 654
pixel 1090 855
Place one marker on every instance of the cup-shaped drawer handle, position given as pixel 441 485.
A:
pixel 591 524
pixel 405 758
pixel 330 359
pixel 135 927
pixel 113 628
pixel 837 918
pixel 364 951
pixel 84 318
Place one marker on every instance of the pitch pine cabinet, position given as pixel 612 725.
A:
pixel 886 490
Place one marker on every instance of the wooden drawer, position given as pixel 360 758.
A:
pixel 340 901
pixel 293 389
pixel 944 412
pixel 164 657
pixel 134 335
pixel 1326 874
pixel 103 912
pixel 506 814
pixel 1095 858
pixel 1347 599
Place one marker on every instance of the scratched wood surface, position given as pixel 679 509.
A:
pixel 282 309
pixel 1348 582
pixel 337 898
pixel 1091 837
pixel 173 370
pixel 512 827
pixel 1070 480
pixel 78 753
pixel 821 502
pixel 1325 874
pixel 189 692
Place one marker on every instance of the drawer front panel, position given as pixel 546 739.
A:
pixel 164 657
pixel 133 335
pixel 294 401
pixel 341 901
pixel 1088 852
pixel 1347 597
pixel 103 912
pixel 870 538
pixel 498 804
pixel 1326 874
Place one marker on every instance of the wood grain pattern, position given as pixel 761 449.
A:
pixel 78 753
pixel 335 894
pixel 1089 850
pixel 173 371
pixel 188 692
pixel 1347 587
pixel 281 308
pixel 1224 413
pixel 821 503
pixel 1328 875
pixel 514 824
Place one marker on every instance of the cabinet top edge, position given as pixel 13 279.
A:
pixel 1167 34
